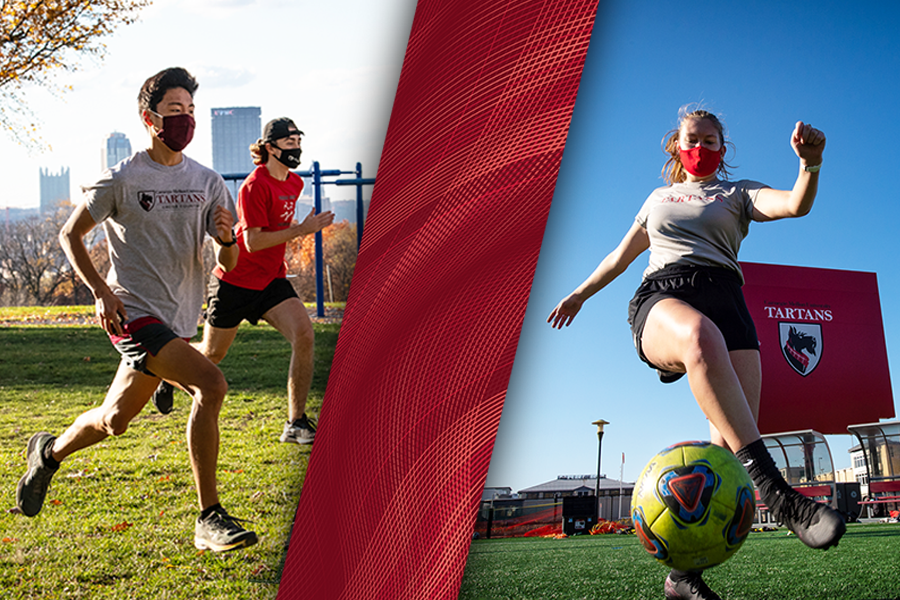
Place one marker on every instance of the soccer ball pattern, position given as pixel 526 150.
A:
pixel 693 506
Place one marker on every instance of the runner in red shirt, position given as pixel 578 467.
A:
pixel 257 288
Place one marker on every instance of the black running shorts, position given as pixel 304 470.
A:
pixel 228 305
pixel 714 291
pixel 143 336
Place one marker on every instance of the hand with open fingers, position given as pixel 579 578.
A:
pixel 224 222
pixel 316 222
pixel 111 313
pixel 808 143
pixel 565 311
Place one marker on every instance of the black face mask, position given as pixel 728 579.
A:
pixel 289 157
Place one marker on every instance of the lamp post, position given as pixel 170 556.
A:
pixel 599 425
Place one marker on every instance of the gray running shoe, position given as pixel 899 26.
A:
pixel 301 431
pixel 682 585
pixel 33 486
pixel 220 532
pixel 163 397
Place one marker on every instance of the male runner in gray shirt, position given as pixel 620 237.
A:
pixel 155 208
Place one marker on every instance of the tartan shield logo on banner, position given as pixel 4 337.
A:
pixel 801 345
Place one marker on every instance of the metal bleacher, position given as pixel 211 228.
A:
pixel 880 443
pixel 804 459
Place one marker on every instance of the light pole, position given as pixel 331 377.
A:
pixel 599 425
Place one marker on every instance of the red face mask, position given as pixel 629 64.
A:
pixel 177 131
pixel 700 161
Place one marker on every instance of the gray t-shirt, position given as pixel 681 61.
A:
pixel 155 218
pixel 699 224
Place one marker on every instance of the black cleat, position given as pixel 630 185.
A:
pixel 817 525
pixel 688 585
pixel 163 397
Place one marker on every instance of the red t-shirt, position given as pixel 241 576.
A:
pixel 269 204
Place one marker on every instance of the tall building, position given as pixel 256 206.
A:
pixel 54 189
pixel 116 149
pixel 233 130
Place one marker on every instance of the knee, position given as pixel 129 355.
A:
pixel 303 339
pixel 703 344
pixel 114 422
pixel 212 390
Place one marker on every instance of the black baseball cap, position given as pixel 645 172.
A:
pixel 279 128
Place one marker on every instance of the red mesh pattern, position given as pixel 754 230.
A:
pixel 423 359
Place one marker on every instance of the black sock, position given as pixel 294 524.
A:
pixel 210 510
pixel 47 455
pixel 762 470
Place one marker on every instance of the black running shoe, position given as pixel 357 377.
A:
pixel 817 525
pixel 163 397
pixel 220 532
pixel 688 585
pixel 33 486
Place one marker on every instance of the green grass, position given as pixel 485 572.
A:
pixel 770 566
pixel 118 522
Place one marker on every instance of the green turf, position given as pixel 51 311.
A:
pixel 118 522
pixel 770 566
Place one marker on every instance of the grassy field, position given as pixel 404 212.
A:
pixel 770 566
pixel 119 519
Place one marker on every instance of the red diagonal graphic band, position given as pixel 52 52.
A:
pixel 431 327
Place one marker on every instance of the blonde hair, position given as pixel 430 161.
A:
pixel 258 152
pixel 673 171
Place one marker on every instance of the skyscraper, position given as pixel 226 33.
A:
pixel 233 130
pixel 117 148
pixel 54 189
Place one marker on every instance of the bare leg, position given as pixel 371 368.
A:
pixel 747 365
pixel 292 321
pixel 190 370
pixel 726 385
pixel 129 392
pixel 679 338
pixel 216 342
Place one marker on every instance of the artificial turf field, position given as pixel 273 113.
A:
pixel 770 566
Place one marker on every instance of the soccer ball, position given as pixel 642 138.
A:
pixel 693 506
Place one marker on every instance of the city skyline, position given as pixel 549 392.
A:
pixel 341 97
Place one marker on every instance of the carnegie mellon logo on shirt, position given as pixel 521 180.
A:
pixel 173 200
pixel 692 198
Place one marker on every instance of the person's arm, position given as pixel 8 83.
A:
pixel 109 308
pixel 227 251
pixel 615 263
pixel 255 239
pixel 808 144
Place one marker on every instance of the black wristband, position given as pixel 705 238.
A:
pixel 227 244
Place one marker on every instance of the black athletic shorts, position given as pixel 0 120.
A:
pixel 714 291
pixel 143 336
pixel 228 305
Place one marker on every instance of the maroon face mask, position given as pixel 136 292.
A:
pixel 177 131
pixel 700 161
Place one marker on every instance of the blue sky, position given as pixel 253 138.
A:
pixel 762 66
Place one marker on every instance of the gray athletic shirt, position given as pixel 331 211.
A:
pixel 700 224
pixel 155 218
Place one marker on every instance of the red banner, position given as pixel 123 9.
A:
pixel 824 359
pixel 426 348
